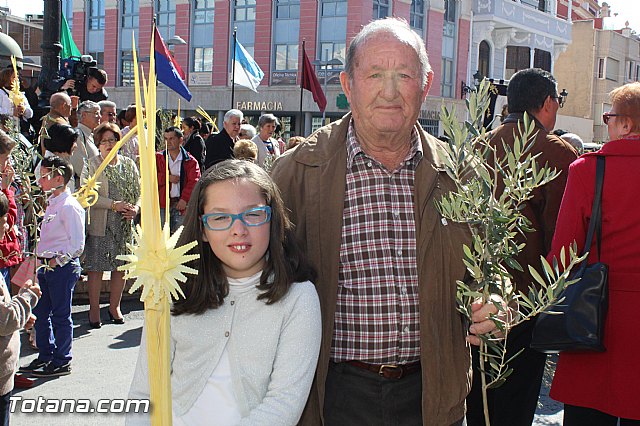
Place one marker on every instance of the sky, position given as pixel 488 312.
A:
pixel 627 10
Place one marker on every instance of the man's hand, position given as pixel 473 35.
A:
pixel 69 84
pixel 174 179
pixel 481 322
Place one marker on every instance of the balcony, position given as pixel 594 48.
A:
pixel 524 18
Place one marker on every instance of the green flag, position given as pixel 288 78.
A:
pixel 69 47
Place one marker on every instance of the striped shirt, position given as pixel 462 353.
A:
pixel 377 316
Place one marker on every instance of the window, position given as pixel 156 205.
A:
pixel 484 57
pixel 130 14
pixel 286 57
pixel 126 68
pixel 98 57
pixel 612 69
pixel 538 4
pixel 287 9
pixel 449 32
pixel 244 14
pixel 26 38
pixel 416 16
pixel 203 11
pixel 631 68
pixel 637 72
pixel 332 38
pixel 245 10
pixel 600 67
pixel 286 33
pixel 202 59
pixel 96 15
pixel 166 18
pixel 542 59
pixel 202 36
pixel 334 8
pixel 518 58
pixel 380 9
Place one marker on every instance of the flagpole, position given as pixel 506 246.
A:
pixel 233 67
pixel 301 126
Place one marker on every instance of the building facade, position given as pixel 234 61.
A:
pixel 27 32
pixel 597 61
pixel 273 32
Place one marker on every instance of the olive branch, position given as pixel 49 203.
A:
pixel 495 219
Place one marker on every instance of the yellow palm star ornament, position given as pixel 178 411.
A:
pixel 16 95
pixel 156 263
pixel 87 194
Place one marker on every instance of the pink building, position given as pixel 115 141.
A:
pixel 273 32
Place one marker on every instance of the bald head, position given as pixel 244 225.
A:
pixel 61 103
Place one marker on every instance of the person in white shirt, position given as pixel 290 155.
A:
pixel 245 339
pixel 268 147
pixel 7 107
pixel 60 246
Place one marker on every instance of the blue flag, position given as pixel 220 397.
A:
pixel 167 69
pixel 246 71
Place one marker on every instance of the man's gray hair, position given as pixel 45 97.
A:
pixel 267 119
pixel 88 106
pixel 397 27
pixel 107 104
pixel 233 113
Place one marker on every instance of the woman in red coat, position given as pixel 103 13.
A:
pixel 599 388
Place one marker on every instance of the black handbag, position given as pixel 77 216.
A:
pixel 578 325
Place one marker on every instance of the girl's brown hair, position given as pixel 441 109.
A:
pixel 285 263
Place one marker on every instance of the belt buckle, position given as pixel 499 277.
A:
pixel 383 367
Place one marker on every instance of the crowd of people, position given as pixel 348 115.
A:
pixel 326 282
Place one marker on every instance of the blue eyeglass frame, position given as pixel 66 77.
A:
pixel 234 217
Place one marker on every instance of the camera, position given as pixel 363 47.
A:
pixel 77 69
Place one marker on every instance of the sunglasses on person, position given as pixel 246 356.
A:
pixel 561 99
pixel 222 221
pixel 607 115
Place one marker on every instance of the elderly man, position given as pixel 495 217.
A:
pixel 60 110
pixel 362 195
pixel 89 118
pixel 533 91
pixel 107 112
pixel 220 147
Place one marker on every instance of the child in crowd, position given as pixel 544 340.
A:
pixel 10 249
pixel 257 316
pixel 15 313
pixel 245 149
pixel 59 248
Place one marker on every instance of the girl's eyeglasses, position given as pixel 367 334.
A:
pixel 607 115
pixel 222 221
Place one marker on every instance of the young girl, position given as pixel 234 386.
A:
pixel 245 340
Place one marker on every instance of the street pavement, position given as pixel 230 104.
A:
pixel 103 365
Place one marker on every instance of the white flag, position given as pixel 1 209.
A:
pixel 247 72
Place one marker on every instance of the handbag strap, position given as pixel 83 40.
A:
pixel 595 224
